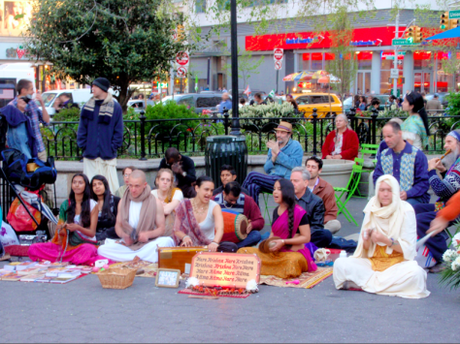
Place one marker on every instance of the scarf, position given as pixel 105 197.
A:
pixel 281 229
pixel 187 224
pixel 105 112
pixel 388 220
pixel 146 219
pixel 414 124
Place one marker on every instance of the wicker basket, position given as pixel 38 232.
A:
pixel 117 278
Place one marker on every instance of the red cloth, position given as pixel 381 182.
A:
pixel 350 146
pixel 252 212
pixel 17 250
pixel 85 254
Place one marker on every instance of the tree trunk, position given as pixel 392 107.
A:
pixel 124 96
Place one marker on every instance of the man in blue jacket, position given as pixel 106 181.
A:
pixel 100 133
pixel 283 155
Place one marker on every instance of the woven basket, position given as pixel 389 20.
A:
pixel 117 278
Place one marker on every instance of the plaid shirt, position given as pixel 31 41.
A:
pixel 36 118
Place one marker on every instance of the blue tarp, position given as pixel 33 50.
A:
pixel 453 33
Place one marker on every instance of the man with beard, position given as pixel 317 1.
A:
pixel 444 189
pixel 406 163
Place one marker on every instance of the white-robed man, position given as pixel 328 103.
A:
pixel 140 224
pixel 383 262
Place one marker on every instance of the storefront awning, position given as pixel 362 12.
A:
pixel 453 33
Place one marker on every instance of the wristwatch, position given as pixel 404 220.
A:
pixel 184 174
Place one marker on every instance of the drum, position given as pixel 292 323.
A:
pixel 235 225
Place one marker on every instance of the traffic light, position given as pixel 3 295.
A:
pixel 180 32
pixel 418 37
pixel 409 34
pixel 453 23
pixel 445 24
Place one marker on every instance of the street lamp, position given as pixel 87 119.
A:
pixel 235 91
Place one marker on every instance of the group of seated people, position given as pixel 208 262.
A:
pixel 186 211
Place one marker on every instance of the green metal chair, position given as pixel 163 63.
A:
pixel 352 185
pixel 370 149
pixel 266 196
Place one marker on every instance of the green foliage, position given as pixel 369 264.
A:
pixel 70 115
pixel 453 108
pixel 169 110
pixel 261 115
pixel 247 65
pixel 123 40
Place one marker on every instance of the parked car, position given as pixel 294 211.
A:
pixel 139 104
pixel 326 104
pixel 443 98
pixel 198 101
pixel 77 96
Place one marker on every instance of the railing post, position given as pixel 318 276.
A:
pixel 142 119
pixel 374 125
pixel 315 121
pixel 351 117
pixel 226 124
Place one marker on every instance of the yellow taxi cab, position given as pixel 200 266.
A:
pixel 326 104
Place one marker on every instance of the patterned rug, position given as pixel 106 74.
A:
pixel 307 280
pixel 190 292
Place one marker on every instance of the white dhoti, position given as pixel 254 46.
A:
pixel 106 168
pixel 406 279
pixel 120 253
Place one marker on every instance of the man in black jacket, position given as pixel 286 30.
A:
pixel 313 205
pixel 184 171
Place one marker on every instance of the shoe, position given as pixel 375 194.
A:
pixel 437 268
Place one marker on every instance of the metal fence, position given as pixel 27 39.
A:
pixel 144 138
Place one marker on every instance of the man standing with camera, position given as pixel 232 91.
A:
pixel 25 91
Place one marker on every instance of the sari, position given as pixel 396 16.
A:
pixel 285 263
pixel 186 223
pixel 412 127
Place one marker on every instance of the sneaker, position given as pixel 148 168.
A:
pixel 437 268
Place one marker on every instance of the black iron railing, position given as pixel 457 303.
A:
pixel 145 138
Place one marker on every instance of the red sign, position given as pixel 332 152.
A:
pixel 182 58
pixel 278 54
pixel 311 40
pixel 278 65
pixel 182 72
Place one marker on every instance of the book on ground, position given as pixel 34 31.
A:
pixel 32 277
pixel 12 277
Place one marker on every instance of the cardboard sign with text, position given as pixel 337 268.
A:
pixel 225 269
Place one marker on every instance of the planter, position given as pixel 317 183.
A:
pixel 337 172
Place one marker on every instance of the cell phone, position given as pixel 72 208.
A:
pixel 27 100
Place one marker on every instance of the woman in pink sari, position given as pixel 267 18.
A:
pixel 75 238
pixel 284 254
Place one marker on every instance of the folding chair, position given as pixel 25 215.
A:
pixel 352 185
pixel 372 150
pixel 266 196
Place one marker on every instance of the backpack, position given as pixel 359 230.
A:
pixel 29 173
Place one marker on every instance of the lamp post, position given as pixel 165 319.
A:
pixel 235 92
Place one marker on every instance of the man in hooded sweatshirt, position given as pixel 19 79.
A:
pixel 100 133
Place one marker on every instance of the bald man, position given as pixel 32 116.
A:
pixel 140 224
pixel 226 103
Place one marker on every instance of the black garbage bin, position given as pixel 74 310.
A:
pixel 226 150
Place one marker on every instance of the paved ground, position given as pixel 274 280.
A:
pixel 82 311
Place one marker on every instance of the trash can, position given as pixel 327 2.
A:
pixel 226 150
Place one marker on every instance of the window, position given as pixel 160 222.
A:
pixel 303 100
pixel 187 101
pixel 319 99
pixel 207 102
pixel 266 2
pixel 223 5
pixel 200 6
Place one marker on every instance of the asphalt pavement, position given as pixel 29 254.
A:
pixel 82 311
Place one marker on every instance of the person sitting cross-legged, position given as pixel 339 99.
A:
pixel 140 224
pixel 313 205
pixel 444 189
pixel 234 199
pixel 283 155
pixel 75 237
pixel 199 221
pixel 107 205
pixel 285 254
pixel 406 163
pixel 384 261
pixel 227 175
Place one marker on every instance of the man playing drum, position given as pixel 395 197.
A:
pixel 231 198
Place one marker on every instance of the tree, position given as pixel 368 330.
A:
pixel 344 65
pixel 123 40
pixel 246 66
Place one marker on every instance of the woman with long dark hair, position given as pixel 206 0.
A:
pixel 415 128
pixel 75 237
pixel 284 253
pixel 107 206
